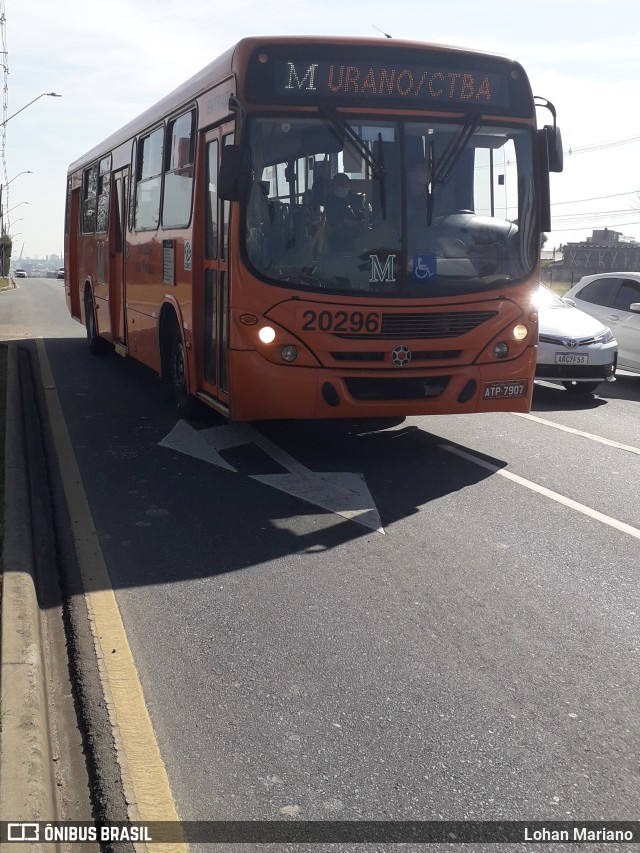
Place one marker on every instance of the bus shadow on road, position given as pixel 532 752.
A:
pixel 164 517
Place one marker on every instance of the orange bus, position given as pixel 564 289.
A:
pixel 316 227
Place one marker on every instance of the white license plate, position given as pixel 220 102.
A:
pixel 572 358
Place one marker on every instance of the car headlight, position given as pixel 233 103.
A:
pixel 605 336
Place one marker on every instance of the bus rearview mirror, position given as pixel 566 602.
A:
pixel 554 145
pixel 230 179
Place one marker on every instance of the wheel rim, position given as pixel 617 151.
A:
pixel 178 367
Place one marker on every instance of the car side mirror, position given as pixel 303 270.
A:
pixel 569 301
pixel 635 307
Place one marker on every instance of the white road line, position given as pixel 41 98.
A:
pixel 541 490
pixel 628 447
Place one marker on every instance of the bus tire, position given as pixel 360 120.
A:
pixel 97 345
pixel 176 363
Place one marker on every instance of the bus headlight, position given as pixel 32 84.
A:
pixel 267 335
pixel 289 353
pixel 501 350
pixel 520 332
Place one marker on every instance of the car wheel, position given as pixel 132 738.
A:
pixel 581 387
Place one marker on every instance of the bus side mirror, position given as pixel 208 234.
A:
pixel 231 177
pixel 544 188
pixel 554 147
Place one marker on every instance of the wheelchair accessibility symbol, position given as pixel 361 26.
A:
pixel 424 267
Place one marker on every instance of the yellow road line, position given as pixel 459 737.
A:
pixel 144 774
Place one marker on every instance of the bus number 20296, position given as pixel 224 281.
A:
pixel 342 322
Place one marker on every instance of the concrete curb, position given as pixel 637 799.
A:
pixel 27 787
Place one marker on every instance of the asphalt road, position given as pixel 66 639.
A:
pixel 478 660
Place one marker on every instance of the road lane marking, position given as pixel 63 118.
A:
pixel 144 774
pixel 548 493
pixel 628 447
pixel 185 439
pixel 341 492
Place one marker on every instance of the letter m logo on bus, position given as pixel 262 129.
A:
pixel 309 76
pixel 380 273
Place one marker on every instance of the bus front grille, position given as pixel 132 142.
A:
pixel 449 324
pixel 426 355
pixel 396 388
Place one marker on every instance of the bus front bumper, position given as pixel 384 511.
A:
pixel 262 390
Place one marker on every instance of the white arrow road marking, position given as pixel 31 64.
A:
pixel 340 492
pixel 186 439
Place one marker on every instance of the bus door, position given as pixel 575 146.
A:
pixel 215 316
pixel 117 267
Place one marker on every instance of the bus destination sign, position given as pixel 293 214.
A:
pixel 399 81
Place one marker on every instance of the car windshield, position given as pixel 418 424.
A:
pixel 405 208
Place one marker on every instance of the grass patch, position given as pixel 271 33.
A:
pixel 559 287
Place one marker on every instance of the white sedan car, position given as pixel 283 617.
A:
pixel 613 298
pixel 574 349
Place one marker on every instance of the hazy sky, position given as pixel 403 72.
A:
pixel 111 61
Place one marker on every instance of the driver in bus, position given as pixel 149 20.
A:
pixel 346 213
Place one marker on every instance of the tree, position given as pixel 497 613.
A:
pixel 5 254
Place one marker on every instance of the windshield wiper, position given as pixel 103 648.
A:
pixel 454 149
pixel 431 164
pixel 376 165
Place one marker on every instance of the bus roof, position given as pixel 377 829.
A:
pixel 228 64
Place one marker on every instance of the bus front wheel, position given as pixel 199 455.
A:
pixel 185 402
pixel 97 345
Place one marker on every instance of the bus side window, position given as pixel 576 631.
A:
pixel 67 209
pixel 104 186
pixel 89 197
pixel 132 186
pixel 226 209
pixel 178 178
pixel 212 200
pixel 149 173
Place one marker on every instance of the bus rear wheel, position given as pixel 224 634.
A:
pixel 176 363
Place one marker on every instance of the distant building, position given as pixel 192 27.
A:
pixel 604 251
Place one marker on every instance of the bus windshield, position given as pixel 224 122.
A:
pixel 399 208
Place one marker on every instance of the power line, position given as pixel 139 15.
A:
pixel 599 146
pixel 596 198
pixel 586 228
pixel 596 214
